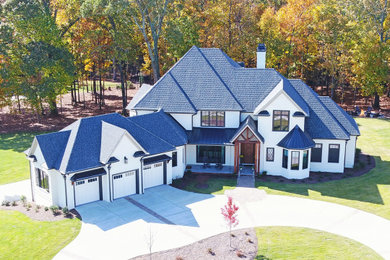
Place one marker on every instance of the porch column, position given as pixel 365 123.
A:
pixel 256 158
pixel 235 156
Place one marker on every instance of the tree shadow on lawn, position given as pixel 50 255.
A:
pixel 363 188
pixel 18 142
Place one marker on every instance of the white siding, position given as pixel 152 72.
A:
pixel 178 171
pixel 184 119
pixel 144 112
pixel 324 165
pixel 350 152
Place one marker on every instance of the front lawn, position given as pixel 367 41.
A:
pixel 14 165
pixel 23 238
pixel 303 243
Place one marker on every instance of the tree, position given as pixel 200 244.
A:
pixel 229 211
pixel 38 63
pixel 149 16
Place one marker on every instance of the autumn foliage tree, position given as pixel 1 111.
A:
pixel 229 212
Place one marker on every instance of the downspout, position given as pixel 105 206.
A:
pixel 66 191
pixel 142 174
pixel 345 154
pixel 31 184
pixel 109 180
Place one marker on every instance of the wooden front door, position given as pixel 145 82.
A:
pixel 248 151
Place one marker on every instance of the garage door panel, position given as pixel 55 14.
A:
pixel 124 184
pixel 153 175
pixel 87 191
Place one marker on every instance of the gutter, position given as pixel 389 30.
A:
pixel 31 184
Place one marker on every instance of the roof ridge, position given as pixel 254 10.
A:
pixel 219 77
pixel 182 90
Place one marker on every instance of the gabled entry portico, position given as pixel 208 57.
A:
pixel 247 145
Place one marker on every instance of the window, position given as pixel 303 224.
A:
pixel 158 165
pixel 92 180
pixel 281 120
pixel 119 176
pixel 294 160
pixel 213 118
pixel 174 159
pixel 316 153
pixel 210 154
pixel 305 162
pixel 80 182
pixel 334 153
pixel 147 167
pixel 285 158
pixel 270 154
pixel 42 179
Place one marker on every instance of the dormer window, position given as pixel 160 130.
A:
pixel 281 120
pixel 213 118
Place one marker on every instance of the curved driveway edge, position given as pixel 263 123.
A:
pixel 120 230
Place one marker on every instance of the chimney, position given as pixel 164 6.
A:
pixel 261 51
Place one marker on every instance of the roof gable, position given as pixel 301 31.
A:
pixel 251 124
pixel 53 147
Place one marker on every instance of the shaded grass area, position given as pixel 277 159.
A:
pixel 23 238
pixel 14 165
pixel 203 183
pixel 303 243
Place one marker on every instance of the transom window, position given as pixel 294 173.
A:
pixel 281 120
pixel 213 118
pixel 42 179
pixel 210 154
pixel 334 153
pixel 294 160
pixel 270 154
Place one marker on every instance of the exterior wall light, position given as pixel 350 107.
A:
pixel 125 159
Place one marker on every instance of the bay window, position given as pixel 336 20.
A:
pixel 305 162
pixel 294 160
pixel 285 158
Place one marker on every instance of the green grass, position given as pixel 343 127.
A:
pixel 303 243
pixel 14 165
pixel 23 238
pixel 215 185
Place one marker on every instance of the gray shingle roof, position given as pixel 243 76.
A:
pixel 156 133
pixel 342 117
pixel 140 94
pixel 296 139
pixel 213 81
pixel 321 124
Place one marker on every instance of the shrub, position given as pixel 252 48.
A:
pixel 24 200
pixel 14 203
pixel 28 206
pixel 37 208
pixel 210 251
pixel 233 235
pixel 264 173
pixel 239 253
pixel 250 241
pixel 54 209
pixel 246 233
pixel 188 171
pixel 65 210
pixel 5 203
pixel 46 208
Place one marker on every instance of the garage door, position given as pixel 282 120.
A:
pixel 153 175
pixel 87 191
pixel 124 184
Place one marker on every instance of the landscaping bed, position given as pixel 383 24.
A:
pixel 40 213
pixel 244 246
pixel 363 164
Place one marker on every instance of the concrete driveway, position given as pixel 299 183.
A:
pixel 173 218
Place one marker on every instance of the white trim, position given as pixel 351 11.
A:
pixel 69 146
pixel 237 135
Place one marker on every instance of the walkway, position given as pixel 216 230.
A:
pixel 197 216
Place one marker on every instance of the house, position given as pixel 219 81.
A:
pixel 208 113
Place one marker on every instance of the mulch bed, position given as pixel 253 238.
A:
pixel 244 246
pixel 41 214
pixel 14 122
pixel 363 165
